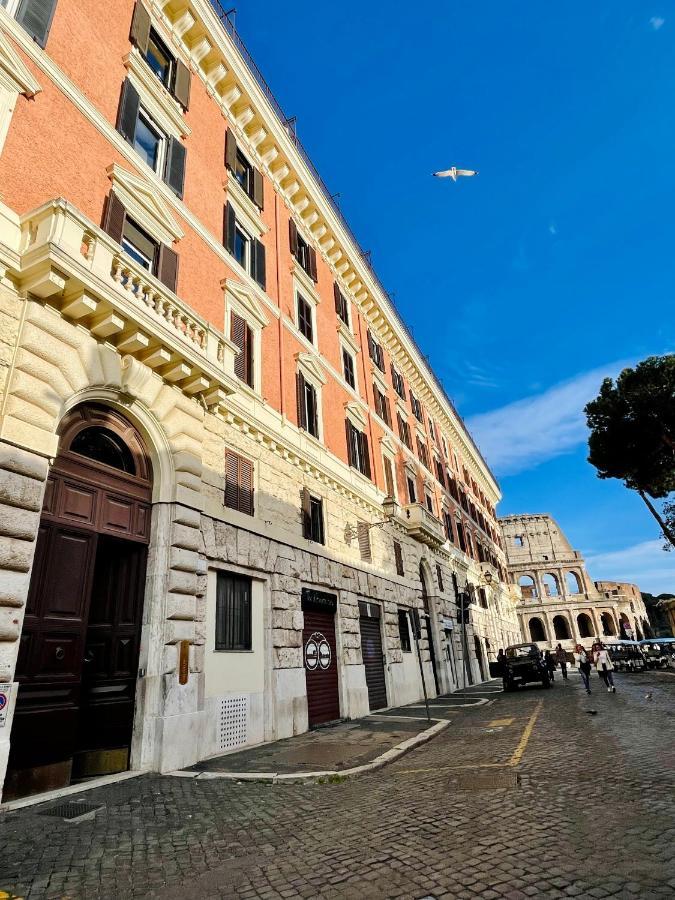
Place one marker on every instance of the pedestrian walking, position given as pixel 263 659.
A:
pixel 604 665
pixel 584 663
pixel 561 659
pixel 501 659
pixel 549 662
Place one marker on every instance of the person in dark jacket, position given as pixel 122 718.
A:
pixel 549 662
pixel 561 659
pixel 584 663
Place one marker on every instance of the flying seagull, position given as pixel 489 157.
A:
pixel 455 173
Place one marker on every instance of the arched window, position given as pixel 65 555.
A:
pixel 561 628
pixel 527 587
pixel 585 625
pixel 551 586
pixel 537 632
pixel 573 583
pixel 104 446
pixel 608 627
pixel 425 589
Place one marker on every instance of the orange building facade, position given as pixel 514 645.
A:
pixel 233 492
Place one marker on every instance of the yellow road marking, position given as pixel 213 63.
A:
pixel 499 723
pixel 520 749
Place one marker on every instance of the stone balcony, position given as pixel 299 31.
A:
pixel 423 525
pixel 56 255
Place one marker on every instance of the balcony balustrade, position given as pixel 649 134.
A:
pixel 423 525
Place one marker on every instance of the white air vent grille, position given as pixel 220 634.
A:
pixel 233 722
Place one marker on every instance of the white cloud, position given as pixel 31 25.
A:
pixel 657 22
pixel 553 228
pixel 530 431
pixel 647 564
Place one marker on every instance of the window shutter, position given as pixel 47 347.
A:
pixel 398 553
pixel 312 410
pixel 174 170
pixel 182 81
pixel 128 113
pixel 258 190
pixel 114 217
pixel 35 16
pixel 259 262
pixel 229 224
pixel 306 514
pixel 167 267
pixel 350 448
pixel 230 150
pixel 337 294
pixel 293 237
pixel 238 337
pixel 366 454
pixel 245 486
pixel 388 476
pixel 364 541
pixel 311 253
pixel 231 480
pixel 140 27
pixel 302 409
pixel 439 576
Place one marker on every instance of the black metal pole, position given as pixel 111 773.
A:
pixel 465 653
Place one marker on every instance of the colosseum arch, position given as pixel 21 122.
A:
pixel 573 583
pixel 528 587
pixel 608 624
pixel 585 625
pixel 551 585
pixel 537 630
pixel 561 628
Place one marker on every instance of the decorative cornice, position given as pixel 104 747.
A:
pixel 13 70
pixel 138 196
pixel 312 366
pixel 246 300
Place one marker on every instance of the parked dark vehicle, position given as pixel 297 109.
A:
pixel 524 664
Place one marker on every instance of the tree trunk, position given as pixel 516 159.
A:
pixel 667 533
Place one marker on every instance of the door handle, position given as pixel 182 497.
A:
pixel 89 656
pixel 59 653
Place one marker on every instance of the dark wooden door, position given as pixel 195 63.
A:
pixel 373 661
pixel 111 656
pixel 49 666
pixel 320 660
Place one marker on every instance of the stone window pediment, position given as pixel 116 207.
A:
pixel 311 367
pixel 356 415
pixel 144 206
pixel 248 304
pixel 14 73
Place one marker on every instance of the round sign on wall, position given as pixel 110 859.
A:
pixel 317 652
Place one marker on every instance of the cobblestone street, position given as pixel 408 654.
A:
pixel 529 795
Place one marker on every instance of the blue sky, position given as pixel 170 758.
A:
pixel 552 268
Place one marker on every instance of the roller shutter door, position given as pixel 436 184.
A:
pixel 320 659
pixel 373 657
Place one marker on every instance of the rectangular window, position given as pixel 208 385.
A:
pixel 404 630
pixel 243 172
pixel 375 351
pixel 412 491
pixel 416 407
pixel 398 556
pixel 159 59
pixel 341 305
pixel 308 407
pixel 305 324
pixel 238 483
pixel 34 16
pixel 242 335
pixel 148 140
pixel 439 576
pixel 403 430
pixel 248 251
pixel 312 517
pixel 348 363
pixel 139 245
pixel 233 612
pixel 397 381
pixel 429 501
pixel 242 243
pixel 440 472
pixel 518 540
pixel 447 519
pixel 382 405
pixel 389 476
pixel 357 449
pixel 422 453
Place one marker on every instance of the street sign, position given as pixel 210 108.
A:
pixel 448 624
pixel 5 694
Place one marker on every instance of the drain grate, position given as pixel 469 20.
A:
pixel 73 811
pixel 486 781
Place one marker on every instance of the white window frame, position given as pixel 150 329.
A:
pixel 160 162
pixel 312 371
pixel 238 299
pixel 345 348
pixel 12 6
pixel 310 300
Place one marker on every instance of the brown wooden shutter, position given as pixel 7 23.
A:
pixel 128 111
pixel 229 225
pixel 439 576
pixel 238 337
pixel 350 450
pixel 174 169
pixel 182 82
pixel 258 249
pixel 258 189
pixel 388 477
pixel 336 295
pixel 293 237
pixel 114 217
pixel 311 255
pixel 230 150
pixel 167 267
pixel 366 454
pixel 364 541
pixel 398 554
pixel 302 409
pixel 140 27
pixel 306 513
pixel 35 16
pixel 245 486
pixel 231 480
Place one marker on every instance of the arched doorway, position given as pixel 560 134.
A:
pixel 78 657
pixel 561 628
pixel 585 625
pixel 537 631
pixel 608 626
pixel 427 620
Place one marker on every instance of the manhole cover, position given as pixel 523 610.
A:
pixel 73 810
pixel 486 781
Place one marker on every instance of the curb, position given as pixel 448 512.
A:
pixel 319 777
